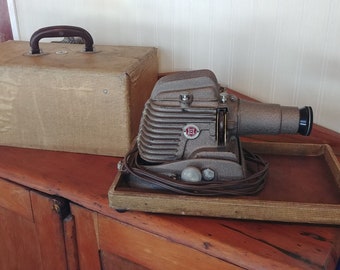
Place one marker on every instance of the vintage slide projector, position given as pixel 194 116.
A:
pixel 188 140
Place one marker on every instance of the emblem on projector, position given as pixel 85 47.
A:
pixel 191 131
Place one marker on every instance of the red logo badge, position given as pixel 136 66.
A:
pixel 191 131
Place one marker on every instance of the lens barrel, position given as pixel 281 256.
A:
pixel 251 118
pixel 306 121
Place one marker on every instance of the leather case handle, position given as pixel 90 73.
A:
pixel 60 31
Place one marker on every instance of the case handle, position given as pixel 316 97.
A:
pixel 60 31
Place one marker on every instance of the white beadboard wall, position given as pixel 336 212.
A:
pixel 278 51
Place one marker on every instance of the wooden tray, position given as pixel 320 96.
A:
pixel 303 186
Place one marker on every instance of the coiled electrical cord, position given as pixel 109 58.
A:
pixel 247 186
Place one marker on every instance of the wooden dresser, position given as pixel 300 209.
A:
pixel 54 214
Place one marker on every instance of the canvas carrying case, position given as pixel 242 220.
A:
pixel 73 97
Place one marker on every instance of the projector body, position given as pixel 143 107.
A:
pixel 190 128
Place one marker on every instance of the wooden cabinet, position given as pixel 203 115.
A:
pixel 54 214
pixel 41 231
pixel 32 229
